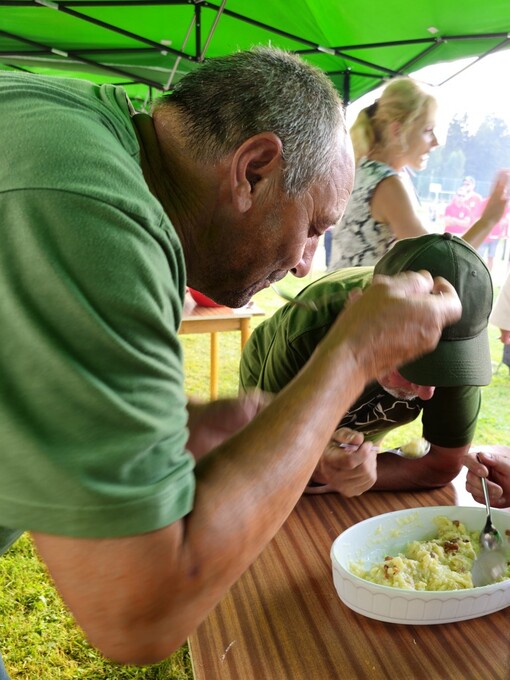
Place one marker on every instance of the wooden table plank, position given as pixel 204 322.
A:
pixel 284 620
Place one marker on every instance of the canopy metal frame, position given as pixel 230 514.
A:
pixel 103 59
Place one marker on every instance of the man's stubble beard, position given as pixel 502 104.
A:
pixel 400 394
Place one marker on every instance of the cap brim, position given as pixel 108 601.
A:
pixel 453 363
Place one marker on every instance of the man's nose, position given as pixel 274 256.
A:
pixel 425 392
pixel 304 265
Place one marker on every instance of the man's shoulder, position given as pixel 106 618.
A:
pixel 329 295
pixel 53 115
pixel 69 137
pixel 346 278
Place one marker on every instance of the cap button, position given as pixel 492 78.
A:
pixel 447 236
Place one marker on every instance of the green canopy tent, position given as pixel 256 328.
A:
pixel 147 45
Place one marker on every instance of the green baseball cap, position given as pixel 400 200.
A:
pixel 462 356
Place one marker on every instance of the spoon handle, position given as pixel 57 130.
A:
pixel 348 447
pixel 355 447
pixel 486 496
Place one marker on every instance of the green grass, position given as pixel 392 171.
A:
pixel 39 639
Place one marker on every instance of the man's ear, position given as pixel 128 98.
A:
pixel 257 159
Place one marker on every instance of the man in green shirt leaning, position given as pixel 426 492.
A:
pixel 442 387
pixel 144 506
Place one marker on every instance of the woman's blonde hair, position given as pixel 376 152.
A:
pixel 403 100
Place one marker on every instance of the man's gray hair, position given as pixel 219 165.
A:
pixel 229 99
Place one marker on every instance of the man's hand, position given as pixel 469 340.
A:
pixel 211 423
pixel 494 464
pixel 496 203
pixel 504 336
pixel 349 472
pixel 397 319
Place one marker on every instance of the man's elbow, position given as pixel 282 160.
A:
pixel 138 648
pixel 441 476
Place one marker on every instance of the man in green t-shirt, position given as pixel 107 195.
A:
pixel 141 503
pixel 443 387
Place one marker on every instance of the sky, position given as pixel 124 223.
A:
pixel 481 89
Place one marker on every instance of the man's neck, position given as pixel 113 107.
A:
pixel 168 176
pixel 151 159
pixel 193 194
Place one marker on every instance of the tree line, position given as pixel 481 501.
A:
pixel 480 154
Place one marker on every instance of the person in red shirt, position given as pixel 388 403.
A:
pixel 457 215
pixel 472 198
pixel 465 209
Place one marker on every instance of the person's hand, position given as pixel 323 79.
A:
pixel 497 201
pixel 504 336
pixel 495 466
pixel 397 319
pixel 211 423
pixel 346 471
pixel 353 295
pixel 457 222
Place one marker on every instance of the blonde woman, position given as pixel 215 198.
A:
pixel 394 133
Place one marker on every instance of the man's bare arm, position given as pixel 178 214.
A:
pixel 138 598
pixel 436 469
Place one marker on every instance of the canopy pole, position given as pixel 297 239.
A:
pixel 168 83
pixel 61 7
pixel 78 58
pixel 198 31
pixel 213 29
pixel 496 48
pixel 346 94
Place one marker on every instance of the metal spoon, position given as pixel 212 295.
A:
pixel 417 448
pixel 491 562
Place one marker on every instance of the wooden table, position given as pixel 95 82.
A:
pixel 283 620
pixel 214 320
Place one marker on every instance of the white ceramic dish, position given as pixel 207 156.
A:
pixel 378 536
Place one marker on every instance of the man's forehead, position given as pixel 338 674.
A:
pixel 343 177
pixel 331 193
pixel 331 197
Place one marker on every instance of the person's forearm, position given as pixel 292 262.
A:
pixel 279 450
pixel 164 583
pixel 455 222
pixel 478 232
pixel 436 469
pixel 137 598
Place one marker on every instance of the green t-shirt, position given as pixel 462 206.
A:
pixel 93 419
pixel 281 345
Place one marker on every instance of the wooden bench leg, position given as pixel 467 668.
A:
pixel 245 331
pixel 214 365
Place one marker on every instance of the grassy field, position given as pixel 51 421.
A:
pixel 38 637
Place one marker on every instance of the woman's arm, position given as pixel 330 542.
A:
pixel 492 213
pixel 392 205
